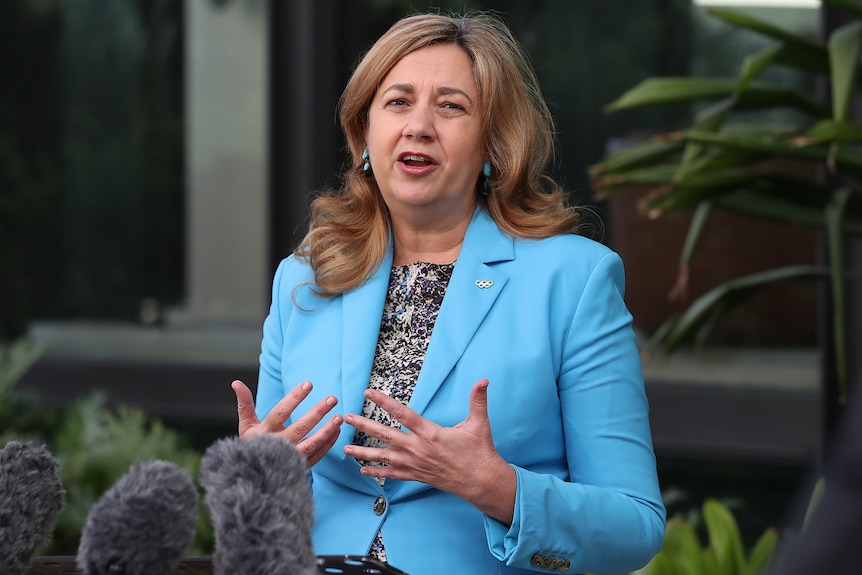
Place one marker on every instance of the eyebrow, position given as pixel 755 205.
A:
pixel 442 91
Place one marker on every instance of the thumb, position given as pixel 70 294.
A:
pixel 244 407
pixel 479 403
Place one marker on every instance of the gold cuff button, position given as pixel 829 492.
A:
pixel 536 560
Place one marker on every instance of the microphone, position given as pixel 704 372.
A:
pixel 261 508
pixel 143 524
pixel 31 498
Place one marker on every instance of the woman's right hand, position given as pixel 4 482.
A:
pixel 313 446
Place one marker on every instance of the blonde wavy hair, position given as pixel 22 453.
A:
pixel 349 229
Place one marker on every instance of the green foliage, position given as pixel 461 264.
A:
pixel 21 413
pixel 723 554
pixel 803 170
pixel 94 444
pixel 15 359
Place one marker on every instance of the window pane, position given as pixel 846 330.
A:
pixel 92 137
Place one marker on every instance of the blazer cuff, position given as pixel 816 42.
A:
pixel 502 538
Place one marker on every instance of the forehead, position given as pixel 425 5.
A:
pixel 441 65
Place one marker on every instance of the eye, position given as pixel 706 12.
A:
pixel 453 106
pixel 397 102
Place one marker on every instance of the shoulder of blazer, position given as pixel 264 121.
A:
pixel 486 241
pixel 564 248
pixel 490 244
pixel 293 269
pixel 293 283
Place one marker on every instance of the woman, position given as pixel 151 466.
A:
pixel 502 428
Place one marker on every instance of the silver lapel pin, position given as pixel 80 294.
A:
pixel 484 284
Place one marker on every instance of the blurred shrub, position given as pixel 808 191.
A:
pixel 723 554
pixel 21 412
pixel 95 445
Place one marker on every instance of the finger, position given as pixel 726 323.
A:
pixel 299 429
pixel 317 445
pixel 385 433
pixel 244 406
pixel 276 418
pixel 408 418
pixel 377 454
pixel 382 471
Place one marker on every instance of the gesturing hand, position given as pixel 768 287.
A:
pixel 461 460
pixel 313 446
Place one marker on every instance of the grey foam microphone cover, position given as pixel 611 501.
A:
pixel 260 502
pixel 143 524
pixel 31 498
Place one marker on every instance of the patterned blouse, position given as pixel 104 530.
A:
pixel 412 302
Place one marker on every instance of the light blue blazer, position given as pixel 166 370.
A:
pixel 566 404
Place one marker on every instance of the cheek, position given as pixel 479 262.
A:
pixel 472 150
pixel 381 125
pixel 469 137
pixel 380 142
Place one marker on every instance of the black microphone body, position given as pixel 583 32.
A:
pixel 143 524
pixel 31 498
pixel 261 506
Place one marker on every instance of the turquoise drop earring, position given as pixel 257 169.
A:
pixel 366 167
pixel 486 185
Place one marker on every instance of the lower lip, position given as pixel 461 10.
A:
pixel 417 170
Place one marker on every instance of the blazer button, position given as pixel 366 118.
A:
pixel 379 505
pixel 565 564
pixel 555 564
pixel 536 560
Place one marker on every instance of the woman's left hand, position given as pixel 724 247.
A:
pixel 461 460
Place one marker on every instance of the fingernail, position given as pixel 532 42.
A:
pixel 330 401
pixel 306 386
pixel 337 420
pixel 348 419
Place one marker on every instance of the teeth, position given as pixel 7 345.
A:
pixel 412 158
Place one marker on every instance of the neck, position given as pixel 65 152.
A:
pixel 405 257
pixel 437 246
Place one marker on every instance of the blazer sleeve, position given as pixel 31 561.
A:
pixel 270 388
pixel 608 516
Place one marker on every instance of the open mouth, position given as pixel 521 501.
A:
pixel 416 160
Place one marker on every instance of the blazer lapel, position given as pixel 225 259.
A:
pixel 363 311
pixel 472 291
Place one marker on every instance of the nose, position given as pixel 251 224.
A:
pixel 420 124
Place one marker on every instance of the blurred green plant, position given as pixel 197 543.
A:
pixel 95 445
pixel 21 412
pixel 16 358
pixel 723 554
pixel 744 153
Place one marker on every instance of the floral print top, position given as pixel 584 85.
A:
pixel 412 302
